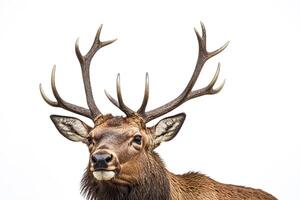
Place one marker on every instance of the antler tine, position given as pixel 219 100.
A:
pixel 46 99
pixel 85 62
pixel 203 56
pixel 122 105
pixel 201 40
pixel 202 44
pixel 142 109
pixel 60 102
pixel 209 88
pixel 114 101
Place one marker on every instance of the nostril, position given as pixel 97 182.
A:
pixel 108 158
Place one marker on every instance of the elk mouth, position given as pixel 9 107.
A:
pixel 104 174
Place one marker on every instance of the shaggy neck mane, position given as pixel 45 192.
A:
pixel 152 184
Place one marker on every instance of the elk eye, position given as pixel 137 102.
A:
pixel 137 139
pixel 90 140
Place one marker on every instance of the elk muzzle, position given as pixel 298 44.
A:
pixel 105 165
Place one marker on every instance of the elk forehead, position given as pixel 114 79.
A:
pixel 126 127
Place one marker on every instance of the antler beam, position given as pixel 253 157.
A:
pixel 85 62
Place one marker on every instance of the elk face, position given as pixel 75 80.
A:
pixel 117 145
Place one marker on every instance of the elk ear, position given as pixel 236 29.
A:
pixel 167 128
pixel 71 128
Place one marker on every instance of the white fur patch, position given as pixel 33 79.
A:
pixel 104 175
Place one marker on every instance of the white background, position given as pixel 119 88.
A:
pixel 248 134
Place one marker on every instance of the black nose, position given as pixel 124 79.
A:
pixel 101 161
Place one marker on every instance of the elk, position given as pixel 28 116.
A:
pixel 122 162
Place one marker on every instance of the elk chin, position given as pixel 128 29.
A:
pixel 103 175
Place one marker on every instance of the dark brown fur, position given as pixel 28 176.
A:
pixel 157 183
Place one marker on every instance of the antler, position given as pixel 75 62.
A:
pixel 120 103
pixel 187 93
pixel 93 112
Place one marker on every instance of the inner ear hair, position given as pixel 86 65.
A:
pixel 72 128
pixel 166 129
pixel 169 124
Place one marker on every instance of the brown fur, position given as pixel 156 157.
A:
pixel 198 186
pixel 134 171
pixel 154 182
pixel 143 175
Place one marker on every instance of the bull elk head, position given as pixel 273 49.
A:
pixel 122 160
